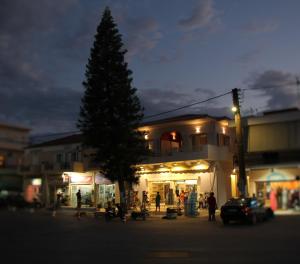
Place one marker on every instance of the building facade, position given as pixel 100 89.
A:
pixel 273 157
pixel 189 153
pixel 13 140
pixel 192 152
pixel 44 164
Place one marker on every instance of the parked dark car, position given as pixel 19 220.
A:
pixel 247 210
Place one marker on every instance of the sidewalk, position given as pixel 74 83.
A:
pixel 91 212
pixel 287 212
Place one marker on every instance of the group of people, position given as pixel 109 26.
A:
pixel 204 202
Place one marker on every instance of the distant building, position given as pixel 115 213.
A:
pixel 13 140
pixel 45 163
pixel 273 157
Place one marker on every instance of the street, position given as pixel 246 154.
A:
pixel 40 238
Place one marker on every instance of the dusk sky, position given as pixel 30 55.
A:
pixel 180 52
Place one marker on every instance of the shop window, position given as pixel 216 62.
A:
pixel 170 142
pixel 223 140
pixel 2 161
pixel 198 140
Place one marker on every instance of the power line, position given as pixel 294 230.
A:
pixel 186 106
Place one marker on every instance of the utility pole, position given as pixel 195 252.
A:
pixel 298 91
pixel 242 180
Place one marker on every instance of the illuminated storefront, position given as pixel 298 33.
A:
pixel 172 179
pixel 83 182
pixel 94 188
pixel 278 186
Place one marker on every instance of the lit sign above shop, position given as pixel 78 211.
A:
pixel 77 178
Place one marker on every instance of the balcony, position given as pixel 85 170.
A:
pixel 30 169
pixel 59 167
pixel 206 152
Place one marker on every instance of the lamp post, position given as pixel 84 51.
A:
pixel 242 181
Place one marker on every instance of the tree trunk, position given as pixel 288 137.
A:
pixel 122 197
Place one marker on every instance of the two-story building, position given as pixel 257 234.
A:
pixel 63 166
pixel 273 157
pixel 44 164
pixel 190 152
pixel 13 140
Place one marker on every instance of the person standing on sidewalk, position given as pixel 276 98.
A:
pixel 157 202
pixel 78 196
pixel 212 205
pixel 56 206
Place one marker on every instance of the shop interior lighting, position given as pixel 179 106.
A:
pixel 191 182
pixel 198 130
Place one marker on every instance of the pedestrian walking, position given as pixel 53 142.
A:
pixel 157 202
pixel 212 206
pixel 78 196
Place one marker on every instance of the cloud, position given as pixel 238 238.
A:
pixel 157 101
pixel 207 92
pixel 277 86
pixel 261 26
pixel 169 56
pixel 201 16
pixel 249 57
pixel 141 35
pixel 52 110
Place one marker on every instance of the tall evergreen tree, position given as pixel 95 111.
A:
pixel 111 112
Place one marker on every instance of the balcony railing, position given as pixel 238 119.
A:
pixel 207 152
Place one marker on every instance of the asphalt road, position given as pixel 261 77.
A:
pixel 40 238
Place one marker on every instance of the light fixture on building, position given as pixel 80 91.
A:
pixel 173 134
pixel 234 109
pixel 146 136
pixel 198 130
pixel 178 168
pixel 223 130
pixel 201 165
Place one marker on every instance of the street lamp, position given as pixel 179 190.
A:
pixel 234 109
